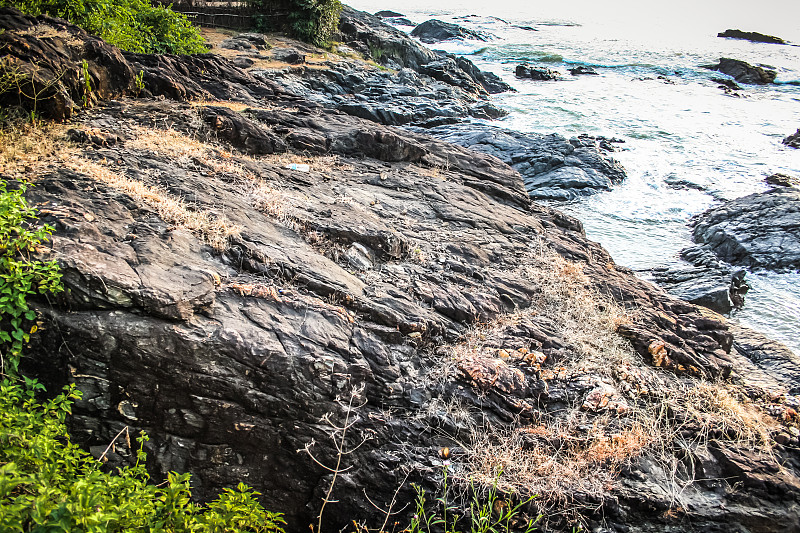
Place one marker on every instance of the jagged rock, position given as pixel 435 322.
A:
pixel 744 72
pixel 751 36
pixel 761 230
pixel 400 98
pixel 551 166
pixel 434 31
pixel 232 358
pixel 708 282
pixel 793 140
pixel 581 70
pixel 399 21
pixel 527 71
pixel 782 180
pixel 389 46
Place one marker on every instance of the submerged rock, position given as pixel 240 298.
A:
pixel 751 36
pixel 434 31
pixel 761 230
pixel 525 70
pixel 793 140
pixel 745 72
pixel 582 70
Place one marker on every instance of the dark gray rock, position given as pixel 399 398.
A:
pixel 551 166
pixel 761 230
pixel 751 36
pixel 434 31
pixel 793 140
pixel 528 71
pixel 783 180
pixel 745 72
pixel 288 55
pixel 388 14
pixel 399 21
pixel 582 70
pixel 243 62
pixel 707 282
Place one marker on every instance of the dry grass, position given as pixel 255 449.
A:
pixel 26 149
pixel 636 410
pixel 216 230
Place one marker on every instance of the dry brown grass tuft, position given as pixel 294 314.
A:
pixel 580 448
pixel 26 149
pixel 216 230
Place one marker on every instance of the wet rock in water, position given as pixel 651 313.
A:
pixel 400 21
pixel 793 140
pixel 761 230
pixel 706 281
pixel 551 166
pixel 751 36
pixel 782 180
pixel 288 55
pixel 581 70
pixel 745 72
pixel 434 31
pixel 373 38
pixel 525 70
pixel 388 14
pixel 728 84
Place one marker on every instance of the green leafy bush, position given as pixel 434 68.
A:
pixel 133 25
pixel 47 483
pixel 20 275
pixel 313 21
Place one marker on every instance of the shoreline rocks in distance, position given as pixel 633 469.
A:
pixel 744 72
pixel 434 31
pixel 793 140
pixel 527 71
pixel 751 36
pixel 386 14
pixel 583 70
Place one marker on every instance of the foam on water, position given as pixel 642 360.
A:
pixel 688 146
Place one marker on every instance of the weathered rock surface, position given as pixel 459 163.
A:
pixel 751 36
pixel 761 230
pixel 705 281
pixel 391 98
pixel 232 358
pixel 551 166
pixel 793 140
pixel 390 47
pixel 388 14
pixel 745 72
pixel 434 31
pixel 525 70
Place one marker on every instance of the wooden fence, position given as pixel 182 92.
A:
pixel 231 15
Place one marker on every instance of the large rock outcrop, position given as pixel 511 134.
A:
pixel 751 36
pixel 240 311
pixel 434 31
pixel 761 230
pixel 551 166
pixel 744 72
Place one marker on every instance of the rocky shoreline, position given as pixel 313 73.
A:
pixel 239 309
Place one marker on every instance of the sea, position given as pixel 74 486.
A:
pixel 688 145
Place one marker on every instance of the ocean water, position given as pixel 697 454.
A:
pixel 688 146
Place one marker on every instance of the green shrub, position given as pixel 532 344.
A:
pixel 313 21
pixel 47 483
pixel 132 25
pixel 20 276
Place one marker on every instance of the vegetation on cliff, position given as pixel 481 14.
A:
pixel 46 481
pixel 313 21
pixel 132 25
